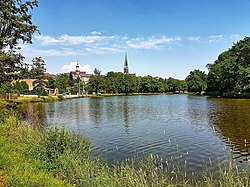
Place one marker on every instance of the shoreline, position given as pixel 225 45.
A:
pixel 52 98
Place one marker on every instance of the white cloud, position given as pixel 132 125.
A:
pixel 101 43
pixel 103 50
pixel 29 51
pixel 72 67
pixel 150 43
pixel 193 38
pixel 97 43
pixel 95 33
pixel 215 38
pixel 68 40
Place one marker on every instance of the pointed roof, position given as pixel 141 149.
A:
pixel 126 60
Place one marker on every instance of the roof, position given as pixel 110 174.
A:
pixel 47 75
pixel 126 60
pixel 75 73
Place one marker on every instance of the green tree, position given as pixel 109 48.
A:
pixel 183 86
pixel 6 87
pixel 10 64
pixel 51 83
pixel 65 83
pixel 95 81
pixel 21 86
pixel 24 72
pixel 37 72
pixel 230 73
pixel 62 82
pixel 15 25
pixel 196 81
pixel 173 85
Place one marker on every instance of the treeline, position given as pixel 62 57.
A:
pixel 117 82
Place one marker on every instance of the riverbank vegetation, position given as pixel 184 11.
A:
pixel 23 100
pixel 31 156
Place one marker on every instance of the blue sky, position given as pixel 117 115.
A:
pixel 166 38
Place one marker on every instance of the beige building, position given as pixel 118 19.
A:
pixel 31 84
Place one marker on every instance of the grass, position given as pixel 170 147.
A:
pixel 22 100
pixel 3 103
pixel 53 157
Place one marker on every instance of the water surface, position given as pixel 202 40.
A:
pixel 192 129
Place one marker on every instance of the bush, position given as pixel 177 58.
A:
pixel 7 87
pixel 60 97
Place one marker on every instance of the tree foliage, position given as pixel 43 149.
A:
pixel 117 82
pixel 65 83
pixel 15 26
pixel 16 22
pixel 196 81
pixel 37 72
pixel 230 73
pixel 96 81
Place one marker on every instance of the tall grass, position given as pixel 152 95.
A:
pixel 54 157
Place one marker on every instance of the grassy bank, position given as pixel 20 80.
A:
pixel 23 100
pixel 53 157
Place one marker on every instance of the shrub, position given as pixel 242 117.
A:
pixel 60 97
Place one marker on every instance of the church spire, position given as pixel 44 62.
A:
pixel 125 64
pixel 77 67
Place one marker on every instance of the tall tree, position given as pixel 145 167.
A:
pixel 230 73
pixel 95 81
pixel 65 83
pixel 196 81
pixel 15 25
pixel 37 72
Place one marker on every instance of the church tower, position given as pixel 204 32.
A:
pixel 125 69
pixel 77 67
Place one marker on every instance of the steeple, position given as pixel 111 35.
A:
pixel 125 69
pixel 77 67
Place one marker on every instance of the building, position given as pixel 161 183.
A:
pixel 29 82
pixel 125 68
pixel 84 77
pixel 32 83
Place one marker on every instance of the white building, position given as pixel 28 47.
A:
pixel 81 74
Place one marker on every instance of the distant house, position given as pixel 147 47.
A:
pixel 80 74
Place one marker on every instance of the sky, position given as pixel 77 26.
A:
pixel 164 38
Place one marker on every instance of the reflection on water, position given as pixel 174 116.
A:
pixel 34 114
pixel 199 130
pixel 232 121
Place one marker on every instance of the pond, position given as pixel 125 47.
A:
pixel 199 131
